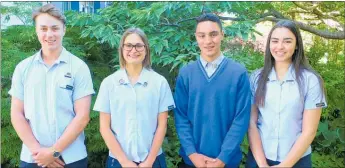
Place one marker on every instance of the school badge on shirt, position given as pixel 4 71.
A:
pixel 171 107
pixel 322 104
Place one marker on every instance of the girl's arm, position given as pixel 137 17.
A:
pixel 255 140
pixel 158 139
pixel 310 124
pixel 111 141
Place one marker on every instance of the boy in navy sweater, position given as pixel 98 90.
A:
pixel 212 99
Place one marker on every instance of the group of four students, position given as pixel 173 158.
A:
pixel 215 103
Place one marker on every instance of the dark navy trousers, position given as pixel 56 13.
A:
pixel 78 164
pixel 159 162
pixel 302 163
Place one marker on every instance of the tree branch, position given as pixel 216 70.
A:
pixel 184 20
pixel 203 8
pixel 305 27
pixel 315 5
pixel 20 19
pixel 314 10
pixel 298 11
pixel 275 16
pixel 169 24
pixel 230 18
pixel 177 24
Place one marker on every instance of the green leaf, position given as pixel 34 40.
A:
pixel 238 33
pixel 158 48
pixel 165 43
pixel 341 134
pixel 330 135
pixel 174 65
pixel 323 127
pixel 325 143
pixel 245 36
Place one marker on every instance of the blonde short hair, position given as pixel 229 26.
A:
pixel 51 10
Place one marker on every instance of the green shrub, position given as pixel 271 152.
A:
pixel 176 50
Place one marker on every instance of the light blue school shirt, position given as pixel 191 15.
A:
pixel 211 67
pixel 48 99
pixel 280 120
pixel 134 109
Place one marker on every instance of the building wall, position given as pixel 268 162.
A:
pixel 58 5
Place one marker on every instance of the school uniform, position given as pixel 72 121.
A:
pixel 48 93
pixel 212 110
pixel 280 120
pixel 134 111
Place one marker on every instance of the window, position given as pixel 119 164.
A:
pixel 107 3
pixel 66 6
pixel 87 7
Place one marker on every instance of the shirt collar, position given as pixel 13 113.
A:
pixel 217 61
pixel 143 77
pixel 290 74
pixel 62 58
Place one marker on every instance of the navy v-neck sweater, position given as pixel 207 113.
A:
pixel 212 113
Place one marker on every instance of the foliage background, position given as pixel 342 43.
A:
pixel 170 28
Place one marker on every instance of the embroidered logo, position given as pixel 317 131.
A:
pixel 171 107
pixel 121 81
pixel 322 104
pixel 68 75
pixel 145 84
pixel 69 87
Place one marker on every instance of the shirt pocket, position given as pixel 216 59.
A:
pixel 64 93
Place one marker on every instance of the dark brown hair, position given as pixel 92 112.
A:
pixel 209 17
pixel 299 62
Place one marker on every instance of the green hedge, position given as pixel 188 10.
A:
pixel 102 60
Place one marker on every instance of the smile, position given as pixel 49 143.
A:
pixel 50 41
pixel 280 53
pixel 133 56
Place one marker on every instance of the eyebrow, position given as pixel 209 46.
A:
pixel 208 33
pixel 48 26
pixel 274 38
pixel 135 43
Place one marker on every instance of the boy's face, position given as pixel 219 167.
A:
pixel 50 32
pixel 209 37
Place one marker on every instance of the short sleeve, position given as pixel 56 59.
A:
pixel 82 83
pixel 17 86
pixel 102 103
pixel 166 100
pixel 253 85
pixel 315 96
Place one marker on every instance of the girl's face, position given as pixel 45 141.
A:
pixel 282 45
pixel 133 50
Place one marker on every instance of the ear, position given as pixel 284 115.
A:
pixel 64 30
pixel 36 30
pixel 222 33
